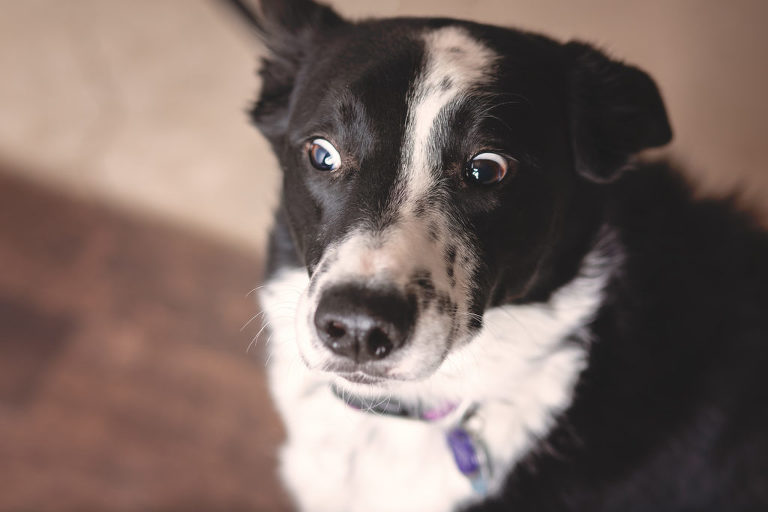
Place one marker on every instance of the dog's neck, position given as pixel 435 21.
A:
pixel 464 440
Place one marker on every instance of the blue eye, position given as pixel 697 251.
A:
pixel 323 156
pixel 486 169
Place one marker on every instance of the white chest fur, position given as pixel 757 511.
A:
pixel 518 369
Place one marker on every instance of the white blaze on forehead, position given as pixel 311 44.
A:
pixel 422 255
pixel 455 63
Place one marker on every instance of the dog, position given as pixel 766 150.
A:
pixel 479 298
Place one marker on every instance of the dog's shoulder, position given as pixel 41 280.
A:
pixel 671 397
pixel 708 254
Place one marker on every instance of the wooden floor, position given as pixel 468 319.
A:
pixel 125 381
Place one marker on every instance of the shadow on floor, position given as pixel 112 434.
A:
pixel 125 383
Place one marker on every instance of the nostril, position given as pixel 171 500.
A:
pixel 335 329
pixel 337 335
pixel 378 343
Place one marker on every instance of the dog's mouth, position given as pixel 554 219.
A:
pixel 362 378
pixel 361 374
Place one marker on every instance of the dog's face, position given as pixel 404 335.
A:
pixel 433 169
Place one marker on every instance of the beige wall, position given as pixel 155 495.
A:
pixel 141 102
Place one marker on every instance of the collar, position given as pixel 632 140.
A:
pixel 467 447
pixel 393 407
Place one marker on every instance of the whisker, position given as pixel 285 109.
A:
pixel 254 317
pixel 266 324
pixel 254 290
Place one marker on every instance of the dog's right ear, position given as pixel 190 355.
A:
pixel 616 110
pixel 288 29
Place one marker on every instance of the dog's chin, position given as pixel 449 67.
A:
pixel 360 384
pixel 366 386
pixel 363 383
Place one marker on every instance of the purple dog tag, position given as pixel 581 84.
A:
pixel 464 452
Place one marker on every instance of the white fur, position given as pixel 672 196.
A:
pixel 518 370
pixel 451 53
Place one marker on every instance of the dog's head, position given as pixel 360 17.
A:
pixel 434 168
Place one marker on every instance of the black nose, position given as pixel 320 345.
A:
pixel 363 324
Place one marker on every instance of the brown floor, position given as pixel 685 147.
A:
pixel 125 383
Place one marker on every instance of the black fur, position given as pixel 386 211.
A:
pixel 670 414
pixel 672 410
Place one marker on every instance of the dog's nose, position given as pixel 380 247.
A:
pixel 363 324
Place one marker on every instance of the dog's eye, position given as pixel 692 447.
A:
pixel 323 156
pixel 486 169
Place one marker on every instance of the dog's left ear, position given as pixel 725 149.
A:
pixel 289 30
pixel 615 111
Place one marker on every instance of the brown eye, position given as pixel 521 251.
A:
pixel 323 156
pixel 486 169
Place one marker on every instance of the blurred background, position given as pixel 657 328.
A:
pixel 134 204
